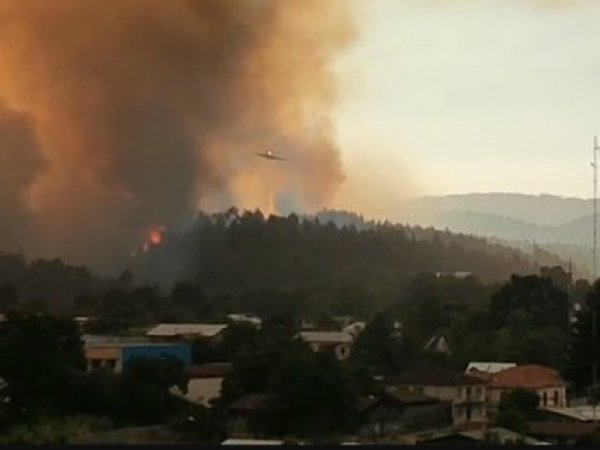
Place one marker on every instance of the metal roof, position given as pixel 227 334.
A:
pixel 326 337
pixel 251 442
pixel 489 367
pixel 186 329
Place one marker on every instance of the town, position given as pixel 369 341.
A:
pixel 459 361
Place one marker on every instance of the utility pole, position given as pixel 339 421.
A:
pixel 594 275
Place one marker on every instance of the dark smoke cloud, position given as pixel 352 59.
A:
pixel 21 161
pixel 146 110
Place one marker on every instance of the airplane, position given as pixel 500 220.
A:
pixel 269 154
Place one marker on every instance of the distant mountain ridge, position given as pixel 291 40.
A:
pixel 563 225
pixel 543 209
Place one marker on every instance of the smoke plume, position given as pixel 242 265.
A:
pixel 122 115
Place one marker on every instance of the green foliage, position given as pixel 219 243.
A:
pixel 145 387
pixel 247 251
pixel 310 395
pixel 537 297
pixel 41 357
pixel 381 348
pixel 47 430
pixel 199 424
pixel 523 401
pixel 585 347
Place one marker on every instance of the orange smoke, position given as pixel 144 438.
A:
pixel 135 112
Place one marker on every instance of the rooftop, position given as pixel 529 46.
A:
pixel 186 329
pixel 200 390
pixel 531 376
pixel 562 429
pixel 209 370
pixel 327 337
pixel 432 376
pixel 577 413
pixel 251 442
pixel 489 367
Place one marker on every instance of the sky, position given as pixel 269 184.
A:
pixel 457 96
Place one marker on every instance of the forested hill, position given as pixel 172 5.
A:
pixel 42 283
pixel 234 250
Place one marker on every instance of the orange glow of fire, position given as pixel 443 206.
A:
pixel 154 238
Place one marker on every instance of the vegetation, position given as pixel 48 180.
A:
pixel 284 270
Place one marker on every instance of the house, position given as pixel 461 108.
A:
pixel 210 331
pixel 546 382
pixel 204 383
pixel 397 411
pixel 439 344
pixel 244 318
pixel 355 328
pixel 484 369
pixel 465 393
pixel 114 353
pixel 337 342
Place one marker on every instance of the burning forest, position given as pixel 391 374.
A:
pixel 116 116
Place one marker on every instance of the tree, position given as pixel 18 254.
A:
pixel 544 303
pixel 516 408
pixel 145 385
pixel 584 351
pixel 381 348
pixel 310 395
pixel 8 297
pixel 523 401
pixel 41 356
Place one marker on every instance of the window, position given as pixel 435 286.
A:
pixel 111 363
pixel 468 413
pixel 469 392
pixel 556 397
pixel 545 399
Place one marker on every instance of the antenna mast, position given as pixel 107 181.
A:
pixel 594 275
pixel 595 214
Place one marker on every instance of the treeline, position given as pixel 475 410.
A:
pixel 245 253
pixel 44 284
pixel 246 250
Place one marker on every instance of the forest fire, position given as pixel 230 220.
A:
pixel 154 238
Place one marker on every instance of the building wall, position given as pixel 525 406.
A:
pixel 468 402
pixel 181 351
pixel 103 357
pixel 554 396
pixel 341 351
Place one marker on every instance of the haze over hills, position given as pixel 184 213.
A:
pixel 543 209
pixel 562 225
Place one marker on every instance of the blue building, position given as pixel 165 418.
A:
pixel 116 353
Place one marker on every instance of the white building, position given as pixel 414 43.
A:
pixel 338 342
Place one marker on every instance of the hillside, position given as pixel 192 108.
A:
pixel 542 210
pixel 249 251
pixel 562 226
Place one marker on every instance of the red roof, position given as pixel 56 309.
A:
pixel 527 377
